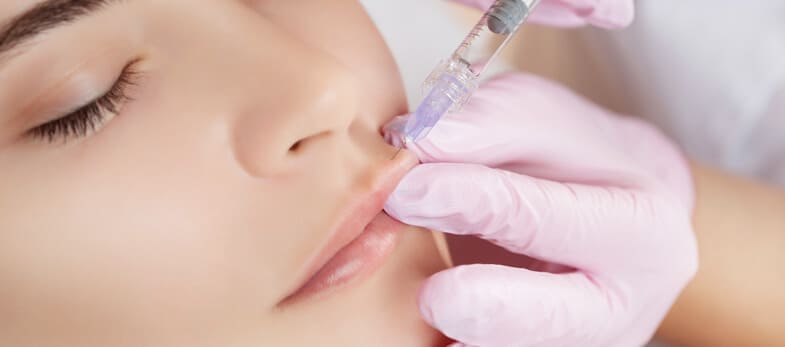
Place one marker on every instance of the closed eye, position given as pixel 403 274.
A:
pixel 89 118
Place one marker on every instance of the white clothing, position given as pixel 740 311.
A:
pixel 711 74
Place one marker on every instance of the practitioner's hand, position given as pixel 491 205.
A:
pixel 568 13
pixel 540 171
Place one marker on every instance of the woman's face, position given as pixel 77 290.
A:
pixel 234 148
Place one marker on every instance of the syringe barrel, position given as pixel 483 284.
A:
pixel 494 31
pixel 447 89
pixel 451 84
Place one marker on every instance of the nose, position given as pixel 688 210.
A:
pixel 306 103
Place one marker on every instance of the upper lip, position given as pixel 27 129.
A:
pixel 353 219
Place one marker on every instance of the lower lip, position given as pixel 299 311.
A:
pixel 356 261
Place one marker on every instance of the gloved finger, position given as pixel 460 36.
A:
pixel 493 305
pixel 547 220
pixel 609 14
pixel 570 13
pixel 557 15
pixel 493 131
pixel 547 13
pixel 482 5
pixel 492 127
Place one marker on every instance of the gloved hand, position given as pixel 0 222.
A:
pixel 540 171
pixel 569 13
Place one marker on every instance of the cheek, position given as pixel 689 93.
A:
pixel 164 226
pixel 144 235
pixel 114 250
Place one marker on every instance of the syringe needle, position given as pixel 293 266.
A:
pixel 396 153
pixel 453 81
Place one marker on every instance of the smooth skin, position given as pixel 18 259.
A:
pixel 738 295
pixel 185 219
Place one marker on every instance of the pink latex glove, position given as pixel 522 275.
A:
pixel 570 13
pixel 540 171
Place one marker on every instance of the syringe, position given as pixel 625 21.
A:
pixel 453 81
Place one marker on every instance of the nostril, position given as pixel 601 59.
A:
pixel 296 146
pixel 302 144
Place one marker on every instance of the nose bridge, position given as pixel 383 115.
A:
pixel 301 98
pixel 326 96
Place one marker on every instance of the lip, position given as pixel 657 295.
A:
pixel 362 240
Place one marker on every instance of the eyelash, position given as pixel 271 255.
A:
pixel 88 118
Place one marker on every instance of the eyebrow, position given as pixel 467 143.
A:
pixel 45 16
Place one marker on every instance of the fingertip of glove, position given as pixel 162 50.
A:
pixel 604 14
pixel 409 194
pixel 418 184
pixel 607 14
pixel 558 15
pixel 614 15
pixel 454 301
pixel 478 4
pixel 441 298
pixel 430 297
